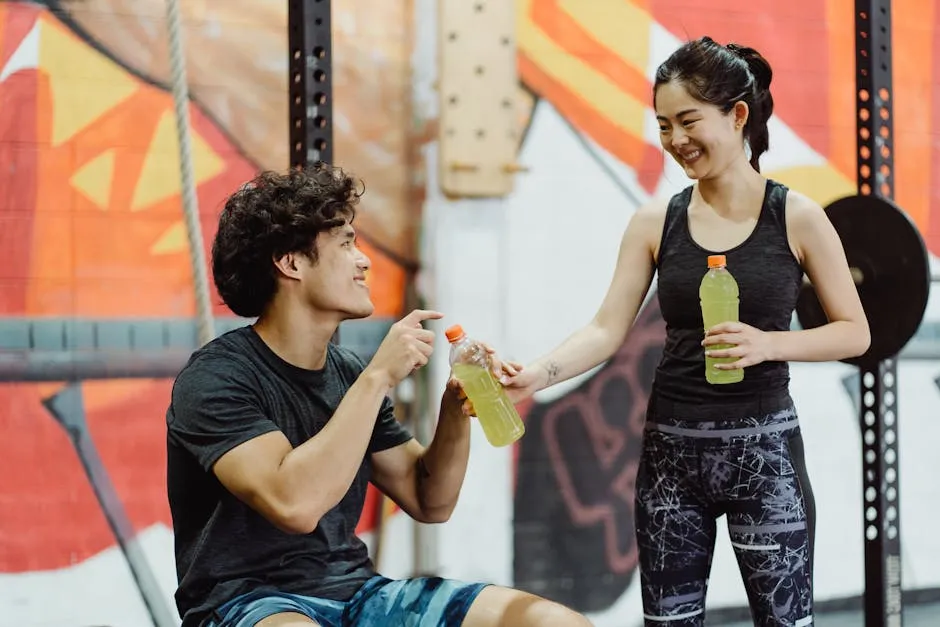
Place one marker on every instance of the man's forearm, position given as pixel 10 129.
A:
pixel 316 475
pixel 443 466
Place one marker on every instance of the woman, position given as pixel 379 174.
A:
pixel 733 449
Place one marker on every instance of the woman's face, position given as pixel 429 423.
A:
pixel 702 139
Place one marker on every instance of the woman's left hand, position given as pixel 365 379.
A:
pixel 750 345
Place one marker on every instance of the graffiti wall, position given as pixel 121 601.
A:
pixel 92 230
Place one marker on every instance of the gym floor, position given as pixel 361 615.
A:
pixel 924 615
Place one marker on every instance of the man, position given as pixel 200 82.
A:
pixel 274 434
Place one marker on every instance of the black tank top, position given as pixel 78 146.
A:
pixel 769 279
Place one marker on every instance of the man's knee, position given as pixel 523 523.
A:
pixel 553 614
pixel 288 619
pixel 504 607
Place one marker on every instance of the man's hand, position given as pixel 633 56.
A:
pixel 406 347
pixel 455 401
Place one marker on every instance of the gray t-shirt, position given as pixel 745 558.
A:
pixel 232 390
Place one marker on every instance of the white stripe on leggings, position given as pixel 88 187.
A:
pixel 667 619
pixel 756 547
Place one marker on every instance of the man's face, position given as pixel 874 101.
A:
pixel 336 282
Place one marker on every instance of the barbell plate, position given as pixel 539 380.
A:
pixel 883 247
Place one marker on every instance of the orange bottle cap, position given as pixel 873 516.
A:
pixel 716 261
pixel 454 333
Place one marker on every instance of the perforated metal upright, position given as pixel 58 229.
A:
pixel 310 82
pixel 878 402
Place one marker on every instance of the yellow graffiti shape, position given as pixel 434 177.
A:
pixel 160 176
pixel 619 25
pixel 94 179
pixel 173 241
pixel 823 183
pixel 607 98
pixel 84 83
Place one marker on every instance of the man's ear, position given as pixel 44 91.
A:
pixel 287 265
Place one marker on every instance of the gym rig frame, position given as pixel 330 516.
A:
pixel 878 381
pixel 310 82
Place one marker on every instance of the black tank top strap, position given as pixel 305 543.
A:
pixel 676 223
pixel 774 211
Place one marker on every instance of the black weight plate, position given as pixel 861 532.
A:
pixel 882 242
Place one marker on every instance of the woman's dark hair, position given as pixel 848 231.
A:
pixel 721 76
pixel 271 216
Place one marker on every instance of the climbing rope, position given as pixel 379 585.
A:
pixel 204 320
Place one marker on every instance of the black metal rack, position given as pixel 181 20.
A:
pixel 310 90
pixel 878 413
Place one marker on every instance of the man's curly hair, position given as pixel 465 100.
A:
pixel 273 215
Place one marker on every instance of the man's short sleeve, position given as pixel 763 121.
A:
pixel 388 432
pixel 215 408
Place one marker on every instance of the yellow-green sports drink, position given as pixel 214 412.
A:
pixel 496 414
pixel 719 296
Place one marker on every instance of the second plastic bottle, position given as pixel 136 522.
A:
pixel 471 366
pixel 719 295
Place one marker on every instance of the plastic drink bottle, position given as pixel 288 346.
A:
pixel 471 365
pixel 719 296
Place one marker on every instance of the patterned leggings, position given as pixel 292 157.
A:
pixel 750 469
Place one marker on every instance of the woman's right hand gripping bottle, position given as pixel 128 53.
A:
pixel 471 366
pixel 719 295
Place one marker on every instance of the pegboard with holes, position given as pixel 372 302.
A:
pixel 479 129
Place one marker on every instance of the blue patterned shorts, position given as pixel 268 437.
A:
pixel 421 602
